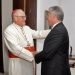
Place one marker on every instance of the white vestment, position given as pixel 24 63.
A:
pixel 16 41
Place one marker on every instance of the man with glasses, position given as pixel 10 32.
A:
pixel 19 41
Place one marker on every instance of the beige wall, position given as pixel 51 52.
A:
pixel 6 20
pixel 69 19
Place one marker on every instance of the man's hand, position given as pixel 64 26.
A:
pixel 34 53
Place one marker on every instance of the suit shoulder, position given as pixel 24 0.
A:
pixel 61 27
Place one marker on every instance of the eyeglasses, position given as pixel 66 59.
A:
pixel 21 16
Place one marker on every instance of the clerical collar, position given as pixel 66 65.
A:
pixel 55 25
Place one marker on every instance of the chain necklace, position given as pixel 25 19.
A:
pixel 23 34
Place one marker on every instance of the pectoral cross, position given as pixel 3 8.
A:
pixel 23 32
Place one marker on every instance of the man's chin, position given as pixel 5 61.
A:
pixel 24 23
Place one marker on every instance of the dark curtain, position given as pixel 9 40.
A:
pixel 1 51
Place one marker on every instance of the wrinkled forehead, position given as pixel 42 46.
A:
pixel 18 12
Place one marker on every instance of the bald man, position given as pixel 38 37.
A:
pixel 19 41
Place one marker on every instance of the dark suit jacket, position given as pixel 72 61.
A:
pixel 54 56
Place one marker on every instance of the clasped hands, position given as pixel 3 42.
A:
pixel 34 53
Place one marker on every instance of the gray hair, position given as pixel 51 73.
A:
pixel 57 11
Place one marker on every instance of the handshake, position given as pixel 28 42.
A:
pixel 34 53
pixel 32 50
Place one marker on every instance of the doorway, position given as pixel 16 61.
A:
pixel 30 8
pixel 1 50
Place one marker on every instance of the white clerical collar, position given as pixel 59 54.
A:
pixel 55 25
